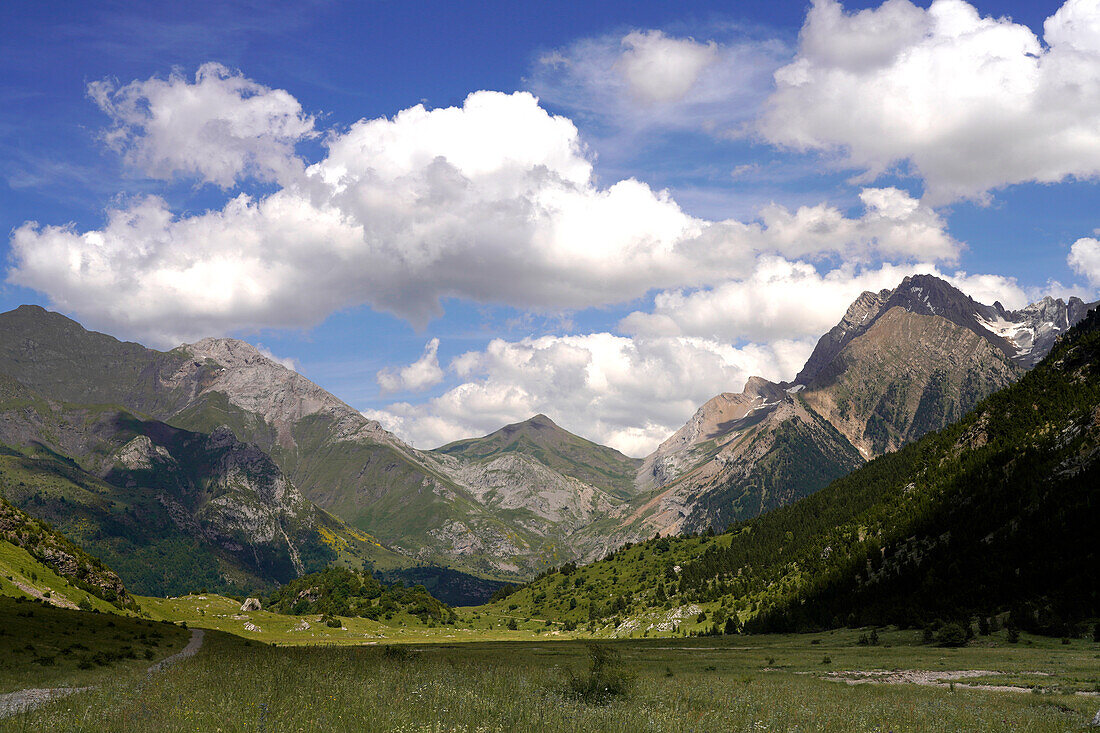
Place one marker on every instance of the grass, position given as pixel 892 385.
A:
pixel 212 611
pixel 728 683
pixel 477 676
pixel 21 575
pixel 45 646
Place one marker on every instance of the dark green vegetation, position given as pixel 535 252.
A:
pixel 53 550
pixel 568 454
pixel 758 683
pixel 170 510
pixel 343 592
pixel 44 646
pixel 450 586
pixel 994 514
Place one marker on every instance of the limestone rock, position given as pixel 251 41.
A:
pixel 251 604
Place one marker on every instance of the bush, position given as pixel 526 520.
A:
pixel 395 653
pixel 512 625
pixel 606 678
pixel 951 635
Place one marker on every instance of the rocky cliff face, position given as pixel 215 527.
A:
pixel 907 374
pixel 739 456
pixel 127 488
pixel 711 426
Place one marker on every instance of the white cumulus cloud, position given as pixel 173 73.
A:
pixel 658 68
pixel 494 202
pixel 792 300
pixel 416 377
pixel 972 103
pixel 217 128
pixel 1084 258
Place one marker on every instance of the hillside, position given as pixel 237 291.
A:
pixel 570 455
pixel 995 513
pixel 433 508
pixel 899 364
pixel 169 509
pixel 39 562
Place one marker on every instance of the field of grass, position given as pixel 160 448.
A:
pixel 46 646
pixel 212 611
pixel 775 683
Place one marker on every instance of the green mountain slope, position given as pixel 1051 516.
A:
pixel 436 508
pixel 37 561
pixel 996 512
pixel 170 509
pixel 568 454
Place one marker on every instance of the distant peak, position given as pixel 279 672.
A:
pixel 758 386
pixel 227 351
pixel 541 419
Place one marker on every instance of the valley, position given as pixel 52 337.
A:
pixel 892 527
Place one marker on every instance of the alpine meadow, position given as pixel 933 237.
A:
pixel 493 367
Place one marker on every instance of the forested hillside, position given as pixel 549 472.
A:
pixel 994 513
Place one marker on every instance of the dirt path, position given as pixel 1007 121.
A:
pixel 930 678
pixel 197 636
pixel 22 701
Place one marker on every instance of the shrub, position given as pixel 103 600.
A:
pixel 606 678
pixel 395 653
pixel 951 635
pixel 512 625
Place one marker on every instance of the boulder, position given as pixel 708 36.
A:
pixel 251 604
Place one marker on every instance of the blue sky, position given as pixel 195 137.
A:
pixel 696 195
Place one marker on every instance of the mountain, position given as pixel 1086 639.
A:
pixel 900 363
pixel 541 439
pixel 739 455
pixel 171 509
pixel 531 495
pixel 501 515
pixel 993 514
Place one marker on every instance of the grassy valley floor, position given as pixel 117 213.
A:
pixel 749 683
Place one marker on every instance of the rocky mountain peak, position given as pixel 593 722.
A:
pixel 929 295
pixel 718 417
pixel 257 383
pixel 228 352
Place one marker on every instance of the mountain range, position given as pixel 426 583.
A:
pixel 214 452
pixel 993 516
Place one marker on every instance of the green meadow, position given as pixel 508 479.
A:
pixel 265 671
pixel 433 682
